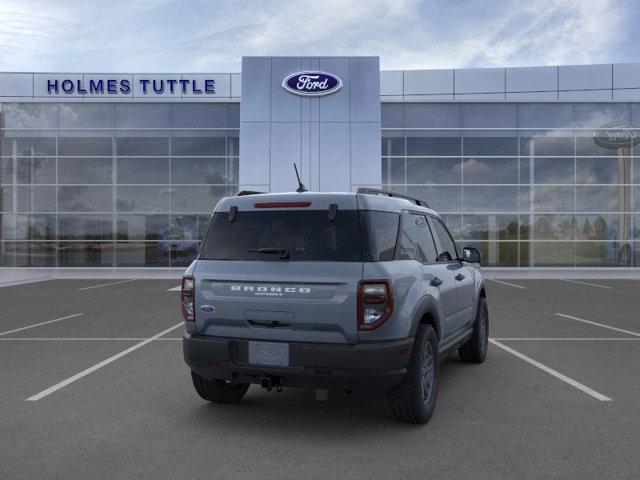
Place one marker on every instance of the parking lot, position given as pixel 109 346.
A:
pixel 93 385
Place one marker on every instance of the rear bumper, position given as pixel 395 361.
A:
pixel 374 367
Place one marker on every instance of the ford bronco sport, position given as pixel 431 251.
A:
pixel 361 291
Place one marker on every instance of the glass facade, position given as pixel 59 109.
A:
pixel 524 182
pixel 112 184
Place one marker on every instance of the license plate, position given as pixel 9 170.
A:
pixel 269 353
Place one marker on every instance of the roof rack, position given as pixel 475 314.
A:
pixel 242 193
pixel 375 191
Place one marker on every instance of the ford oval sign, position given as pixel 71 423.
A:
pixel 617 135
pixel 312 84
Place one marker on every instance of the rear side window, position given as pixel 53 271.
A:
pixel 424 240
pixel 447 249
pixel 306 235
pixel 379 233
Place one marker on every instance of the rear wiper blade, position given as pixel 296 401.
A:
pixel 283 252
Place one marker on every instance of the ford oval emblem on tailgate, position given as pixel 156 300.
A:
pixel 312 83
pixel 207 308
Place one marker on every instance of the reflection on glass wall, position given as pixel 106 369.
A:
pixel 528 184
pixel 112 184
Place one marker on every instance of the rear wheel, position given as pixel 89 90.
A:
pixel 474 350
pixel 415 399
pixel 218 391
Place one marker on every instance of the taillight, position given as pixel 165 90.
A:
pixel 187 298
pixel 375 303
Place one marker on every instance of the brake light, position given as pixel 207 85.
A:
pixel 375 303
pixel 282 204
pixel 187 298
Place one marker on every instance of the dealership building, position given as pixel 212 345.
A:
pixel 535 166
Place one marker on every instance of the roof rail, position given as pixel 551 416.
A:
pixel 375 191
pixel 242 193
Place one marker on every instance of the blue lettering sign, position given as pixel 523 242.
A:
pixel 112 86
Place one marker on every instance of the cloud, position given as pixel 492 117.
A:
pixel 167 36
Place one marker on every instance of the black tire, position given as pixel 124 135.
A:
pixel 218 391
pixel 415 399
pixel 474 350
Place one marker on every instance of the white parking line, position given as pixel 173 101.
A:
pixel 629 332
pixel 175 289
pixel 41 323
pixel 97 366
pixel 97 339
pixel 560 339
pixel 551 371
pixel 107 284
pixel 584 283
pixel 507 283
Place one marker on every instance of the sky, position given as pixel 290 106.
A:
pixel 212 36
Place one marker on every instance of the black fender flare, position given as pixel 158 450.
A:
pixel 427 305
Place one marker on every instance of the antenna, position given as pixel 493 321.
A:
pixel 301 188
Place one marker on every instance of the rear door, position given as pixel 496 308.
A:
pixel 284 275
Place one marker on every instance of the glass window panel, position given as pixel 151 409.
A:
pixel 392 143
pixel 600 199
pixel 454 224
pixel 497 254
pixel 37 199
pixel 441 199
pixel 30 115
pixel 598 114
pixel 490 170
pixel 85 227
pixel 545 115
pixel 601 170
pixel 6 170
pixel 490 227
pixel 184 227
pixel 490 115
pixel 233 143
pixel 30 146
pixel 490 199
pixel 85 199
pixel 142 254
pixel 200 170
pixel 546 144
pixel 636 171
pixel 143 199
pixel 20 254
pixel 433 143
pixel 80 254
pixel 233 111
pixel 524 199
pixel 85 170
pixel 211 144
pixel 526 253
pixel 6 199
pixel 393 170
pixel 525 227
pixel 603 227
pixel 183 253
pixel 585 145
pixel 8 227
pixel 432 115
pixel 233 170
pixel 141 115
pixel 142 170
pixel 142 227
pixel 553 254
pixel 196 199
pixel 91 146
pixel 603 254
pixel 525 170
pixel 434 170
pixel 84 115
pixel 203 225
pixel 554 199
pixel 34 227
pixel 392 115
pixel 636 226
pixel 36 169
pixel 636 254
pixel 489 145
pixel 554 227
pixel 142 146
pixel 553 170
pixel 199 115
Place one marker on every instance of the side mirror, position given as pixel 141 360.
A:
pixel 471 255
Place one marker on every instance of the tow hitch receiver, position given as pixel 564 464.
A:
pixel 269 382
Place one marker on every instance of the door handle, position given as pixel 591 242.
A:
pixel 436 282
pixel 459 277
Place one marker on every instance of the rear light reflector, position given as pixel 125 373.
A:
pixel 282 204
pixel 187 298
pixel 375 303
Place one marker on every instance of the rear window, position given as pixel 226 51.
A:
pixel 305 235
